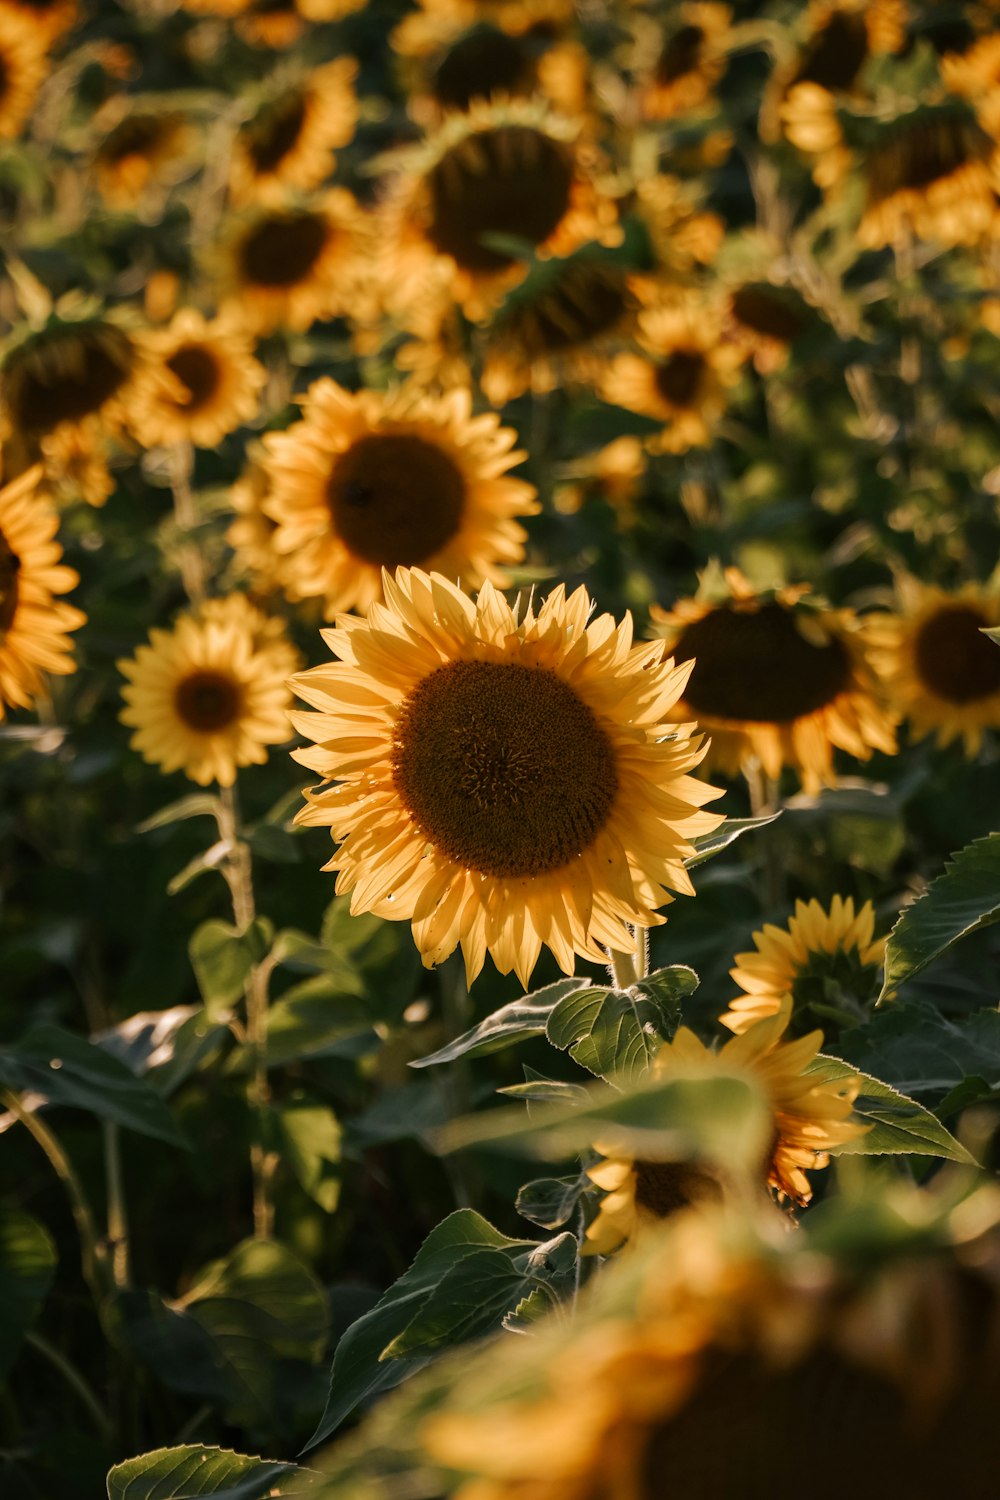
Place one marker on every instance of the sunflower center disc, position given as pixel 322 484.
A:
pixel 761 309
pixel 664 1187
pixel 756 666
pixel 680 54
pixel 396 500
pixel 512 180
pixel 503 768
pixel 679 376
pixel 277 133
pixel 75 375
pixel 10 566
pixel 281 251
pixel 197 371
pixel 954 659
pixel 584 303
pixel 483 62
pixel 834 58
pixel 207 701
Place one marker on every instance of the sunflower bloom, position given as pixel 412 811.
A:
pixel 931 175
pixel 501 779
pixel 291 140
pixel 368 481
pixel 822 958
pixel 34 625
pixel 73 368
pixel 141 149
pixel 690 63
pixel 203 382
pixel 211 694
pixel 23 67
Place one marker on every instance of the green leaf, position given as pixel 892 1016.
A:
pixel 899 1126
pixel 209 859
pixel 165 1046
pixel 359 1371
pixel 727 833
pixel 277 844
pixel 317 1023
pixel 919 1051
pixel 188 1472
pixel 963 899
pixel 380 954
pixel 615 1033
pixel 27 1266
pixel 65 1069
pixel 528 1016
pixel 198 804
pixel 222 958
pixel 310 1136
pixel 550 1202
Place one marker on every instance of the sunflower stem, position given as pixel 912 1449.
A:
pixel 192 565
pixel 118 1241
pixel 74 1380
pixel 624 972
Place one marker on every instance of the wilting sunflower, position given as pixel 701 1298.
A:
pixel 681 378
pixel 140 149
pixel 211 694
pixel 510 168
pixel 778 678
pixel 76 366
pixel 76 464
pixel 726 1360
pixel 690 59
pixel 290 142
pixel 810 1117
pixel 503 780
pixel 34 625
pixel 944 674
pixel 288 266
pixel 371 481
pixel 827 961
pixel 23 66
pixel 203 382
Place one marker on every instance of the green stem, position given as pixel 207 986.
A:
pixel 627 968
pixel 118 1244
pixel 192 564
pixel 75 1381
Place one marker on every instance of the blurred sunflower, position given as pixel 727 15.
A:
pixel 779 679
pixel 682 236
pixel 203 382
pixel 23 67
pixel 503 780
pixel 251 533
pixel 291 140
pixel 809 1118
pixel 931 174
pixel 827 961
pixel 689 62
pixel 681 378
pixel 34 625
pixel 975 73
pixel 286 267
pixel 48 19
pixel 368 481
pixel 211 694
pixel 944 674
pixel 140 149
pixel 76 464
pixel 840 37
pixel 74 365
pixel 447 63
pixel 767 320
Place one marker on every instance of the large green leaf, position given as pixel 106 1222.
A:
pixel 61 1068
pixel 27 1266
pixel 963 899
pixel 164 1046
pixel 615 1033
pixel 899 1126
pixel 919 1051
pixel 528 1016
pixel 310 1135
pixel 313 1022
pixel 190 1472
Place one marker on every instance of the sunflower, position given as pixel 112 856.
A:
pixel 211 694
pixel 778 678
pixel 681 378
pixel 767 320
pixel 944 674
pixel 76 366
pixel 34 625
pixel 501 779
pixel 76 464
pixel 140 148
pixel 288 266
pixel 826 960
pixel 509 169
pixel 291 140
pixel 975 74
pixel 203 382
pixel 931 174
pixel 448 63
pixel 371 481
pixel 682 236
pixel 48 19
pixel 690 61
pixel 251 533
pixel 23 67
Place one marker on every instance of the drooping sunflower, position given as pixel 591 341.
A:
pixel 944 674
pixel 286 267
pixel 681 234
pixel 34 625
pixel 76 464
pixel 681 378
pixel 202 382
pixel 291 140
pixel 77 365
pixel 211 694
pixel 368 481
pixel 780 679
pixel 829 962
pixel 502 780
pixel 690 60
pixel 140 148
pixel 23 67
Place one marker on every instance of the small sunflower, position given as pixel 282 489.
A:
pixel 75 367
pixel 203 382
pixel 287 267
pixel 371 481
pixel 681 378
pixel 828 961
pixel 211 694
pixel 291 141
pixel 139 150
pixel 944 674
pixel 503 780
pixel 767 320
pixel 76 464
pixel 34 625
pixel 23 68
pixel 448 63
pixel 840 37
pixel 690 61
pixel 779 679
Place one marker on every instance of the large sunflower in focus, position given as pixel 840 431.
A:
pixel 829 962
pixel 290 141
pixel 34 625
pixel 503 780
pixel 371 481
pixel 944 674
pixel 203 382
pixel 211 694
pixel 779 679
pixel 23 66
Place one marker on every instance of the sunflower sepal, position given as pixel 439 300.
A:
pixel 897 1125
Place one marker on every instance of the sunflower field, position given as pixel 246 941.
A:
pixel 500 749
